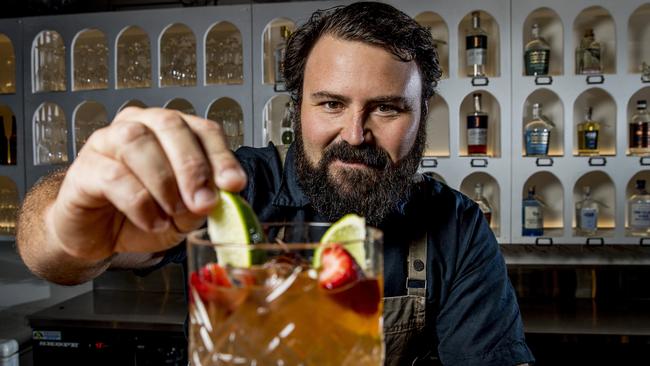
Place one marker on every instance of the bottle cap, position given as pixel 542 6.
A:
pixel 640 184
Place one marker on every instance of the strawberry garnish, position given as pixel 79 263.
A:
pixel 209 279
pixel 338 268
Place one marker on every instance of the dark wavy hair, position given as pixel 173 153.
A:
pixel 372 23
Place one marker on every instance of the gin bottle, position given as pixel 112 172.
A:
pixel 482 202
pixel 537 54
pixel 531 215
pixel 286 131
pixel 588 132
pixel 588 55
pixel 476 45
pixel 477 129
pixel 279 54
pixel 537 133
pixel 639 210
pixel 586 214
pixel 640 130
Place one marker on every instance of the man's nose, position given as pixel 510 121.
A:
pixel 354 131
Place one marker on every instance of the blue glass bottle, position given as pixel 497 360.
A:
pixel 532 220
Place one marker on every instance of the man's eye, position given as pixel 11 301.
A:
pixel 387 109
pixel 332 105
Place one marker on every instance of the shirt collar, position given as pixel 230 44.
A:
pixel 290 193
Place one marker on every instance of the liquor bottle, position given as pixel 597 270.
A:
pixel 476 44
pixel 531 215
pixel 588 55
pixel 537 133
pixel 477 129
pixel 640 130
pixel 537 54
pixel 482 202
pixel 286 131
pixel 586 214
pixel 588 131
pixel 639 210
pixel 279 53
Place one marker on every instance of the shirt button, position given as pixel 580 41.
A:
pixel 418 265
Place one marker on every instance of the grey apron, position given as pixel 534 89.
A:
pixel 404 316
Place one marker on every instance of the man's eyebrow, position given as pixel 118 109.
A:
pixel 330 96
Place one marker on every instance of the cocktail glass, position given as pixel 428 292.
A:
pixel 272 308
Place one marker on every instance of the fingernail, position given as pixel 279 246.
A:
pixel 228 175
pixel 160 225
pixel 204 197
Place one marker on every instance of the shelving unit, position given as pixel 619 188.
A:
pixel 254 108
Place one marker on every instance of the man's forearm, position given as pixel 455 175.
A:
pixel 38 245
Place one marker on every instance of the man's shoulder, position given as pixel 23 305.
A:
pixel 445 196
pixel 268 154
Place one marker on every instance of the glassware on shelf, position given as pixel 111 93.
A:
pixel 537 54
pixel 178 57
pixel 588 132
pixel 224 56
pixel 279 53
pixel 588 55
pixel 91 61
pixel 537 133
pixel 532 215
pixel 640 130
pixel 7 66
pixel 8 206
pixel 645 71
pixel 586 214
pixel 482 202
pixel 477 129
pixel 8 145
pixel 89 117
pixel 476 46
pixel 639 210
pixel 133 60
pixel 50 132
pixel 49 62
pixel 232 121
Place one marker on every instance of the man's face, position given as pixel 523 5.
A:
pixel 358 124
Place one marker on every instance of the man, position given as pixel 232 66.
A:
pixel 360 78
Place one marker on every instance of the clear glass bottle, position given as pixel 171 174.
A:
pixel 537 133
pixel 482 202
pixel 531 215
pixel 286 131
pixel 588 55
pixel 586 214
pixel 640 130
pixel 639 210
pixel 588 132
pixel 279 52
pixel 477 129
pixel 537 54
pixel 476 46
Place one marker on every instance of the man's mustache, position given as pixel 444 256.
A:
pixel 366 154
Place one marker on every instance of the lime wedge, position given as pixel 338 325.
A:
pixel 233 222
pixel 350 231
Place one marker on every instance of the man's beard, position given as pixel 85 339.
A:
pixel 372 192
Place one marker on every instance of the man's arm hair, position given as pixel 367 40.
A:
pixel 38 247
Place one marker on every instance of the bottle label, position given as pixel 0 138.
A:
pixel 640 215
pixel 477 136
pixel 588 219
pixel 640 135
pixel 476 49
pixel 537 142
pixel 533 217
pixel 591 140
pixel 536 62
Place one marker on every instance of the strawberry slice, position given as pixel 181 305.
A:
pixel 338 268
pixel 208 279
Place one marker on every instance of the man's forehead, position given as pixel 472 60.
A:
pixel 342 66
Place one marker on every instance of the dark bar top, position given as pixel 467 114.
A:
pixel 114 309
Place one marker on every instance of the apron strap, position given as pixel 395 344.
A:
pixel 416 282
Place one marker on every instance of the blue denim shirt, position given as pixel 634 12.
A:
pixel 472 312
